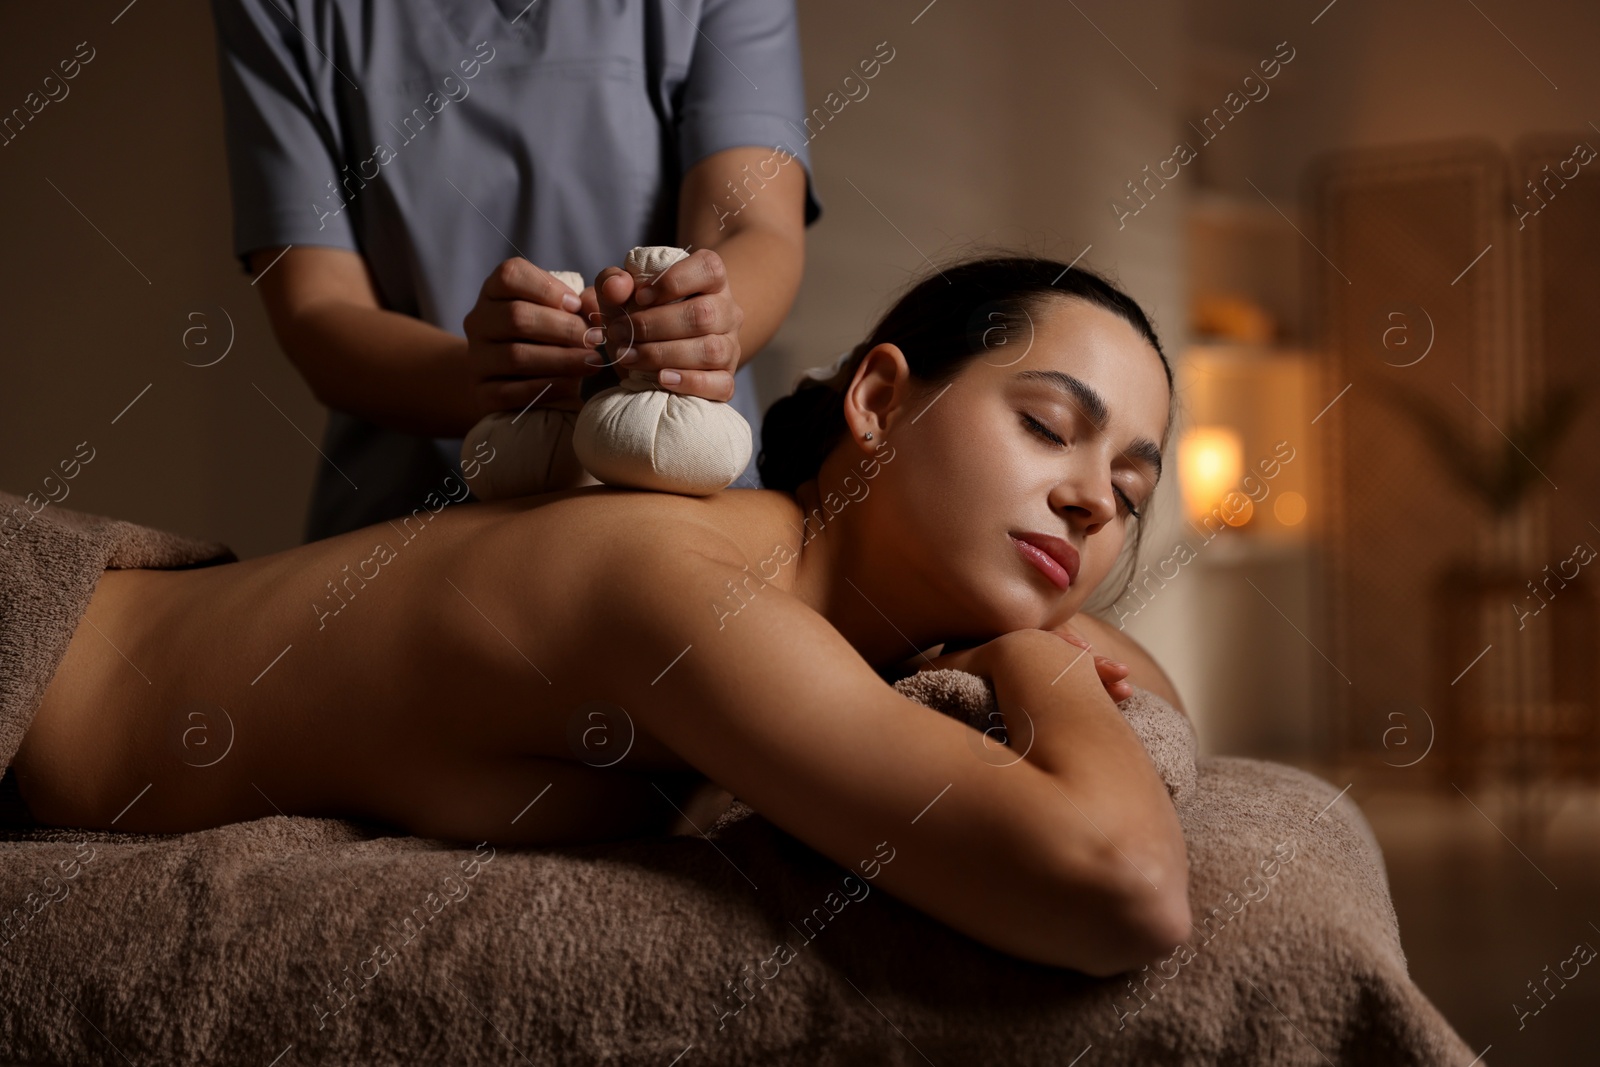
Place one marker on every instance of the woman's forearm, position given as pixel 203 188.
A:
pixel 388 368
pixel 1112 795
pixel 764 269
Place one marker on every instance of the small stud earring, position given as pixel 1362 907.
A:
pixel 869 435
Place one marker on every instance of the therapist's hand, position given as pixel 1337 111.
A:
pixel 696 338
pixel 526 341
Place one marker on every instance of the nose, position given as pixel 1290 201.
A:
pixel 1083 494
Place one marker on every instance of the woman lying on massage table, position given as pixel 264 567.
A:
pixel 530 670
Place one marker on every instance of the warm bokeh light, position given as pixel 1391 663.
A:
pixel 1210 461
pixel 1290 508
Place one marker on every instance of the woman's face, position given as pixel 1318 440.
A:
pixel 1052 435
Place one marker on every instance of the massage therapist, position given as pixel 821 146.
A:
pixel 404 173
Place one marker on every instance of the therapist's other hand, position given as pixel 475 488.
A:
pixel 696 338
pixel 525 341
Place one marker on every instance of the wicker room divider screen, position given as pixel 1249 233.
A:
pixel 1452 283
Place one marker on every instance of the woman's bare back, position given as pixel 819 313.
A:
pixel 444 696
pixel 420 672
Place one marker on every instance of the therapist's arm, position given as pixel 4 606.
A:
pixel 762 243
pixel 383 366
pixel 747 253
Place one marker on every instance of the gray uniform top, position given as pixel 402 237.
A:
pixel 439 137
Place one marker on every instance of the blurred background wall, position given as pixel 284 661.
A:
pixel 1018 125
pixel 1028 125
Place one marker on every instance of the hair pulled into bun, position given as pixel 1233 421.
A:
pixel 975 306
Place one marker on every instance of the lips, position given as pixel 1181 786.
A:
pixel 1057 559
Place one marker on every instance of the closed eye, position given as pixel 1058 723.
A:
pixel 1043 431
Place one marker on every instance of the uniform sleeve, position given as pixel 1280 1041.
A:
pixel 744 86
pixel 282 146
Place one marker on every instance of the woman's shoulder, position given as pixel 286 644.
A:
pixel 716 574
pixel 732 527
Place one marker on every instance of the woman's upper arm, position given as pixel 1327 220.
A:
pixel 767 699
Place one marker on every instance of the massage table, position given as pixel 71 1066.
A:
pixel 292 940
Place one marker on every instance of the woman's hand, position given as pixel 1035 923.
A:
pixel 984 659
pixel 980 659
pixel 1112 673
pixel 696 338
pixel 1021 662
pixel 527 341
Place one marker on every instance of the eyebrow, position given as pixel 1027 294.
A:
pixel 1092 404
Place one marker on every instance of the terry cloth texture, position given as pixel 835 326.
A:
pixel 322 942
pixel 50 561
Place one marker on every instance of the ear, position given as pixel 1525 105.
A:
pixel 875 399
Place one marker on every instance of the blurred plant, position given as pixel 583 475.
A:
pixel 1499 476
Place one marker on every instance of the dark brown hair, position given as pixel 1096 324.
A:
pixel 951 315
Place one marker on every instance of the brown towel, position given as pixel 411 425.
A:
pixel 51 558
pixel 1168 738
pixel 303 941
